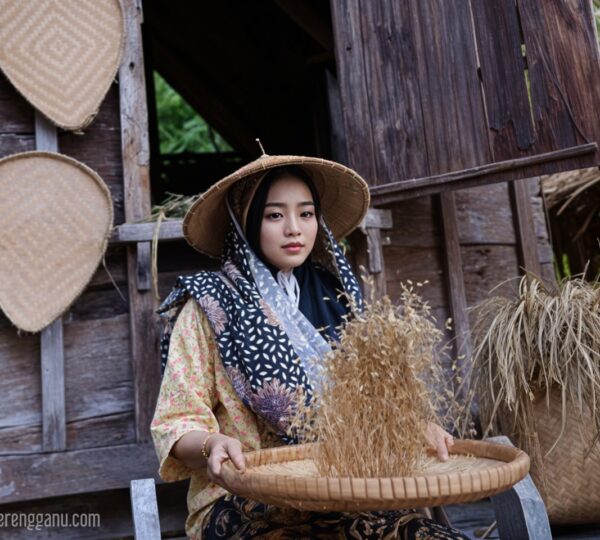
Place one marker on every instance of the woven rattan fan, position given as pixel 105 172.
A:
pixel 55 219
pixel 62 55
pixel 287 476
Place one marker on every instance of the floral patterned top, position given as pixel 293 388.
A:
pixel 196 395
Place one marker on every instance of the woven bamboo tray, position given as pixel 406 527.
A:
pixel 286 476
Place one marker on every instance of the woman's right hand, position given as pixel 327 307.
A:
pixel 220 448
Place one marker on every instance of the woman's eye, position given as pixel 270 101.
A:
pixel 274 215
pixel 307 214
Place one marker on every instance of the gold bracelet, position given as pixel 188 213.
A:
pixel 204 452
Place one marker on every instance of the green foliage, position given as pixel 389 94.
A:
pixel 180 128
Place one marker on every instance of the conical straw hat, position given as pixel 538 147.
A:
pixel 55 219
pixel 62 55
pixel 344 200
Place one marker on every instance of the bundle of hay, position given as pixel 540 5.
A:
pixel 537 365
pixel 378 392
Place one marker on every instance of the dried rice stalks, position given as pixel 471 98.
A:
pixel 528 345
pixel 376 399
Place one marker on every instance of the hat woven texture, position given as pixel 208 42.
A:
pixel 62 55
pixel 344 200
pixel 55 219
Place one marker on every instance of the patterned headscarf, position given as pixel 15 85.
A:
pixel 269 349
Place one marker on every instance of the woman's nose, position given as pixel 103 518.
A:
pixel 292 227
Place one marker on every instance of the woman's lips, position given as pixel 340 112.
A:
pixel 293 248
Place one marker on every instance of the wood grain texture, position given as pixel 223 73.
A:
pixel 54 438
pixel 53 388
pixel 564 70
pixel 456 285
pixel 393 91
pixel 136 178
pixel 524 226
pixel 144 509
pixel 475 176
pixel 511 132
pixel 454 120
pixel 36 477
pixel 358 128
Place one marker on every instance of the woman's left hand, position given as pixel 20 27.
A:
pixel 439 440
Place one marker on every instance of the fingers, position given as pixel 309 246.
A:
pixel 440 440
pixel 222 449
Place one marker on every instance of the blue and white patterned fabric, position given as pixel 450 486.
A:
pixel 269 349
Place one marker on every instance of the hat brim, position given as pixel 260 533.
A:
pixel 344 200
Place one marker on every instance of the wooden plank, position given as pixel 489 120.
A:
pixel 144 232
pixel 358 126
pixel 25 478
pixel 456 285
pixel 472 177
pixel 53 388
pixel 511 131
pixel 453 115
pixel 527 243
pixel 393 88
pixel 136 176
pixel 378 219
pixel 145 510
pixel 489 270
pixel 417 264
pixel 336 119
pixel 564 70
pixel 51 348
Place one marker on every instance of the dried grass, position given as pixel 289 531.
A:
pixel 377 393
pixel 543 339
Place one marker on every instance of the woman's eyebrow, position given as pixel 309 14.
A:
pixel 303 203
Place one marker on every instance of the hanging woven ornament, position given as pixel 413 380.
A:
pixel 55 219
pixel 62 55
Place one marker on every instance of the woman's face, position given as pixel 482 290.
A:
pixel 289 224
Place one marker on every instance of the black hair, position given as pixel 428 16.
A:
pixel 257 206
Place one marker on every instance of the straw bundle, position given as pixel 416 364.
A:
pixel 535 350
pixel 375 400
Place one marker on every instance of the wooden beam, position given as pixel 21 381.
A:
pixel 144 508
pixel 472 177
pixel 456 285
pixel 527 244
pixel 144 232
pixel 136 179
pixel 38 476
pixel 307 19
pixel 173 229
pixel 54 430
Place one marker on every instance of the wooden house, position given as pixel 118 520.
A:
pixel 450 110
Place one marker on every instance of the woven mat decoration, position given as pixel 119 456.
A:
pixel 62 55
pixel 55 219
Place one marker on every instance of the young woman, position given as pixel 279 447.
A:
pixel 242 347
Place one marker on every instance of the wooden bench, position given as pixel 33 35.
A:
pixel 520 511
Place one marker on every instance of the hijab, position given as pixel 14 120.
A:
pixel 270 347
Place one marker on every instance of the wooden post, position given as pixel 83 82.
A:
pixel 144 509
pixel 520 201
pixel 136 178
pixel 52 356
pixel 456 284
